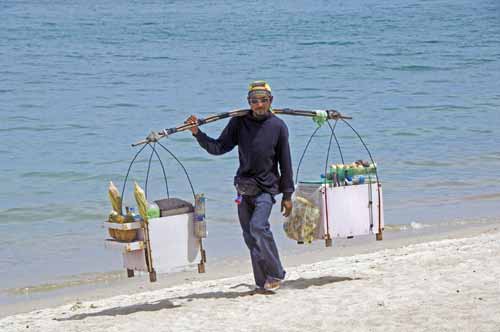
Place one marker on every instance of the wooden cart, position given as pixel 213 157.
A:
pixel 165 244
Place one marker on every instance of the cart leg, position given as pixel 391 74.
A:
pixel 328 240
pixel 152 276
pixel 379 236
pixel 130 273
pixel 203 256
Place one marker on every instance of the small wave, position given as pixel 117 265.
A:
pixel 405 227
pixel 160 57
pixel 446 128
pixel 491 156
pixel 22 118
pixel 481 131
pixel 478 61
pixel 417 225
pixel 51 212
pixel 229 158
pixel 493 196
pixel 436 81
pixel 329 43
pixel 420 93
pixel 432 163
pixel 23 105
pixel 182 139
pixel 31 129
pixel 55 175
pixel 404 133
pixel 196 159
pixel 102 177
pixel 419 68
pixel 89 134
pixel 395 227
pixel 387 54
pixel 331 65
pixel 449 107
pixel 429 41
pixel 307 97
pixel 302 89
pixel 127 105
pixel 74 56
pixel 112 162
pixel 74 281
pixel 36 82
pixel 81 74
pixel 447 184
pixel 166 110
pixel 119 83
pixel 76 126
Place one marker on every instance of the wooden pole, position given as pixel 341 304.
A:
pixel 154 137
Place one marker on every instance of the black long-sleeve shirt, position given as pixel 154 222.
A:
pixel 262 145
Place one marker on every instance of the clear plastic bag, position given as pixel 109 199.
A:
pixel 304 223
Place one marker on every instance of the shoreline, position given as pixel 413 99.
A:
pixel 98 286
pixel 445 282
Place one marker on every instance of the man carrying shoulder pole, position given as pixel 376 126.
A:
pixel 262 140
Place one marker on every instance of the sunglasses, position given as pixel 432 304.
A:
pixel 258 100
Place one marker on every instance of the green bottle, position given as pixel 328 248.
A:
pixel 153 211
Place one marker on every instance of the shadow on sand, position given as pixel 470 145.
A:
pixel 300 283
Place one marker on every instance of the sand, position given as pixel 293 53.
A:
pixel 439 285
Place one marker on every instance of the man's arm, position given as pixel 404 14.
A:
pixel 286 180
pixel 225 143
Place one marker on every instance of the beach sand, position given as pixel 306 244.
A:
pixel 445 282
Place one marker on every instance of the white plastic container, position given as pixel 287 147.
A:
pixel 352 210
pixel 345 211
pixel 173 244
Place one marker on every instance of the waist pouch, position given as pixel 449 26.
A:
pixel 247 186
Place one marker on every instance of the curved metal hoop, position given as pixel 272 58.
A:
pixel 332 129
pixel 338 146
pixel 184 168
pixel 154 152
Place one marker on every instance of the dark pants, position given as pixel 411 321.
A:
pixel 254 213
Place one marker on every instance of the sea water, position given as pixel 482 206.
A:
pixel 82 80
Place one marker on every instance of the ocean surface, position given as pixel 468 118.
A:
pixel 82 80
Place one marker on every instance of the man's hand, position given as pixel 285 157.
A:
pixel 286 207
pixel 192 120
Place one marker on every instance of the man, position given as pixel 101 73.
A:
pixel 262 140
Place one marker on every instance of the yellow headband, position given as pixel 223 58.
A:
pixel 259 86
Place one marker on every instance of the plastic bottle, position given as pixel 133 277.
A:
pixel 137 216
pixel 200 224
pixel 153 211
pixel 347 176
pixel 358 179
pixel 129 217
pixel 199 207
pixel 340 172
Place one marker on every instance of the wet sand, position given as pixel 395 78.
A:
pixel 409 280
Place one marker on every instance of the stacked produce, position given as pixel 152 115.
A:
pixel 141 201
pixel 355 173
pixel 116 217
pixel 302 224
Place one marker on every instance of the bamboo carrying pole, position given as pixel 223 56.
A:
pixel 155 136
